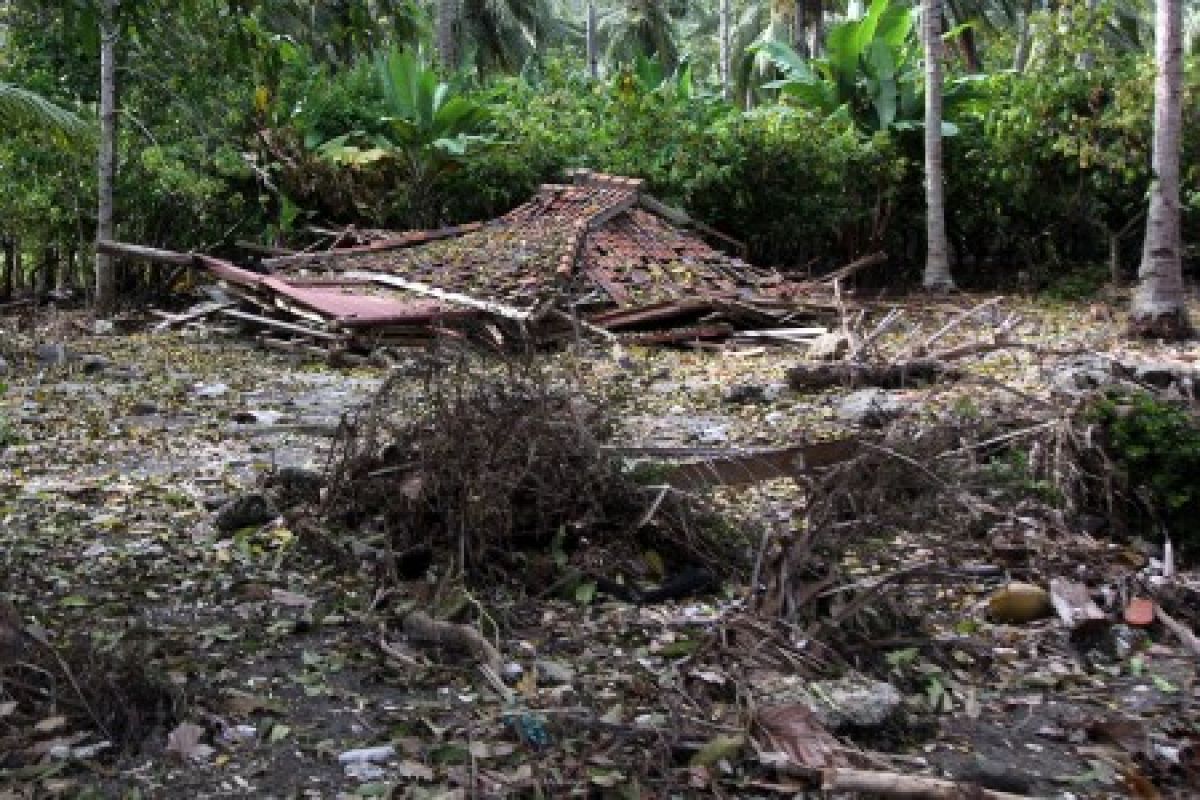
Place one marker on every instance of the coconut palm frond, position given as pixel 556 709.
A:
pixel 21 108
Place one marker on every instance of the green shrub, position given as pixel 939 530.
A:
pixel 1155 446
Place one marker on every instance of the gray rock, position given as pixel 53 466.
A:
pixel 212 389
pixel 1164 375
pixel 554 672
pixel 4 367
pixel 1081 375
pixel 774 391
pixel 53 354
pixel 851 702
pixel 746 393
pixel 257 417
pixel 712 435
pixel 103 327
pixel 829 347
pixel 93 364
pixel 870 407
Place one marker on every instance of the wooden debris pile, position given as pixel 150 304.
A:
pixel 597 255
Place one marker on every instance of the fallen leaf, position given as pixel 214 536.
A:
pixel 793 730
pixel 185 742
pixel 290 599
pixel 719 748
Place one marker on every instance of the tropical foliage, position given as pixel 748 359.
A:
pixel 247 116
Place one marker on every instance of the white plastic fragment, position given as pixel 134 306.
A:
pixel 367 755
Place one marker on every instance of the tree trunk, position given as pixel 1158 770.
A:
pixel 18 268
pixel 66 272
pixel 1024 38
pixel 593 56
pixel 937 257
pixel 447 34
pixel 1116 273
pixel 47 276
pixel 800 29
pixel 1087 59
pixel 10 268
pixel 970 50
pixel 723 28
pixel 1158 304
pixel 106 279
pixel 816 31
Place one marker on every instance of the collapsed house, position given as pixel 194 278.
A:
pixel 595 256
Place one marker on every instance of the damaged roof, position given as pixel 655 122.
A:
pixel 598 242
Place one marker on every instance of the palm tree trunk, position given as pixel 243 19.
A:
pixel 800 28
pixel 937 258
pixel 816 35
pixel 723 30
pixel 106 279
pixel 447 34
pixel 593 57
pixel 1024 38
pixel 1087 59
pixel 1159 305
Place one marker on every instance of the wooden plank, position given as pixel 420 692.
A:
pixel 741 467
pixel 125 250
pixel 278 324
pixel 194 313
pixel 491 307
pixel 1074 604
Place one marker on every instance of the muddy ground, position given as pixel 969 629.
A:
pixel 119 445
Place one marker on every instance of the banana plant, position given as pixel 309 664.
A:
pixel 870 71
pixel 429 129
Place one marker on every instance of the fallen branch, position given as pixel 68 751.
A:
pixel 895 784
pixel 954 323
pixel 1183 632
pixel 813 377
pixel 421 627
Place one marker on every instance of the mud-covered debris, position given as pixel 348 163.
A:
pixel 245 511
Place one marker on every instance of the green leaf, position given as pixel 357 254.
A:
pixel 585 593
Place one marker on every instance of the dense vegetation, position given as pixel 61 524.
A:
pixel 249 120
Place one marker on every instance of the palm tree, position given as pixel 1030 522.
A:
pixel 937 258
pixel 642 27
pixel 106 275
pixel 1159 304
pixel 23 108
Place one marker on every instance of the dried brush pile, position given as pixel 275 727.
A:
pixel 107 698
pixel 477 464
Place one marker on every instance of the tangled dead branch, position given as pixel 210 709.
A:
pixel 499 469
pixel 110 691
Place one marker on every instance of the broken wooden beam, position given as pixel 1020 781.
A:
pixel 137 251
pixel 699 468
pixel 279 324
pixel 194 313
